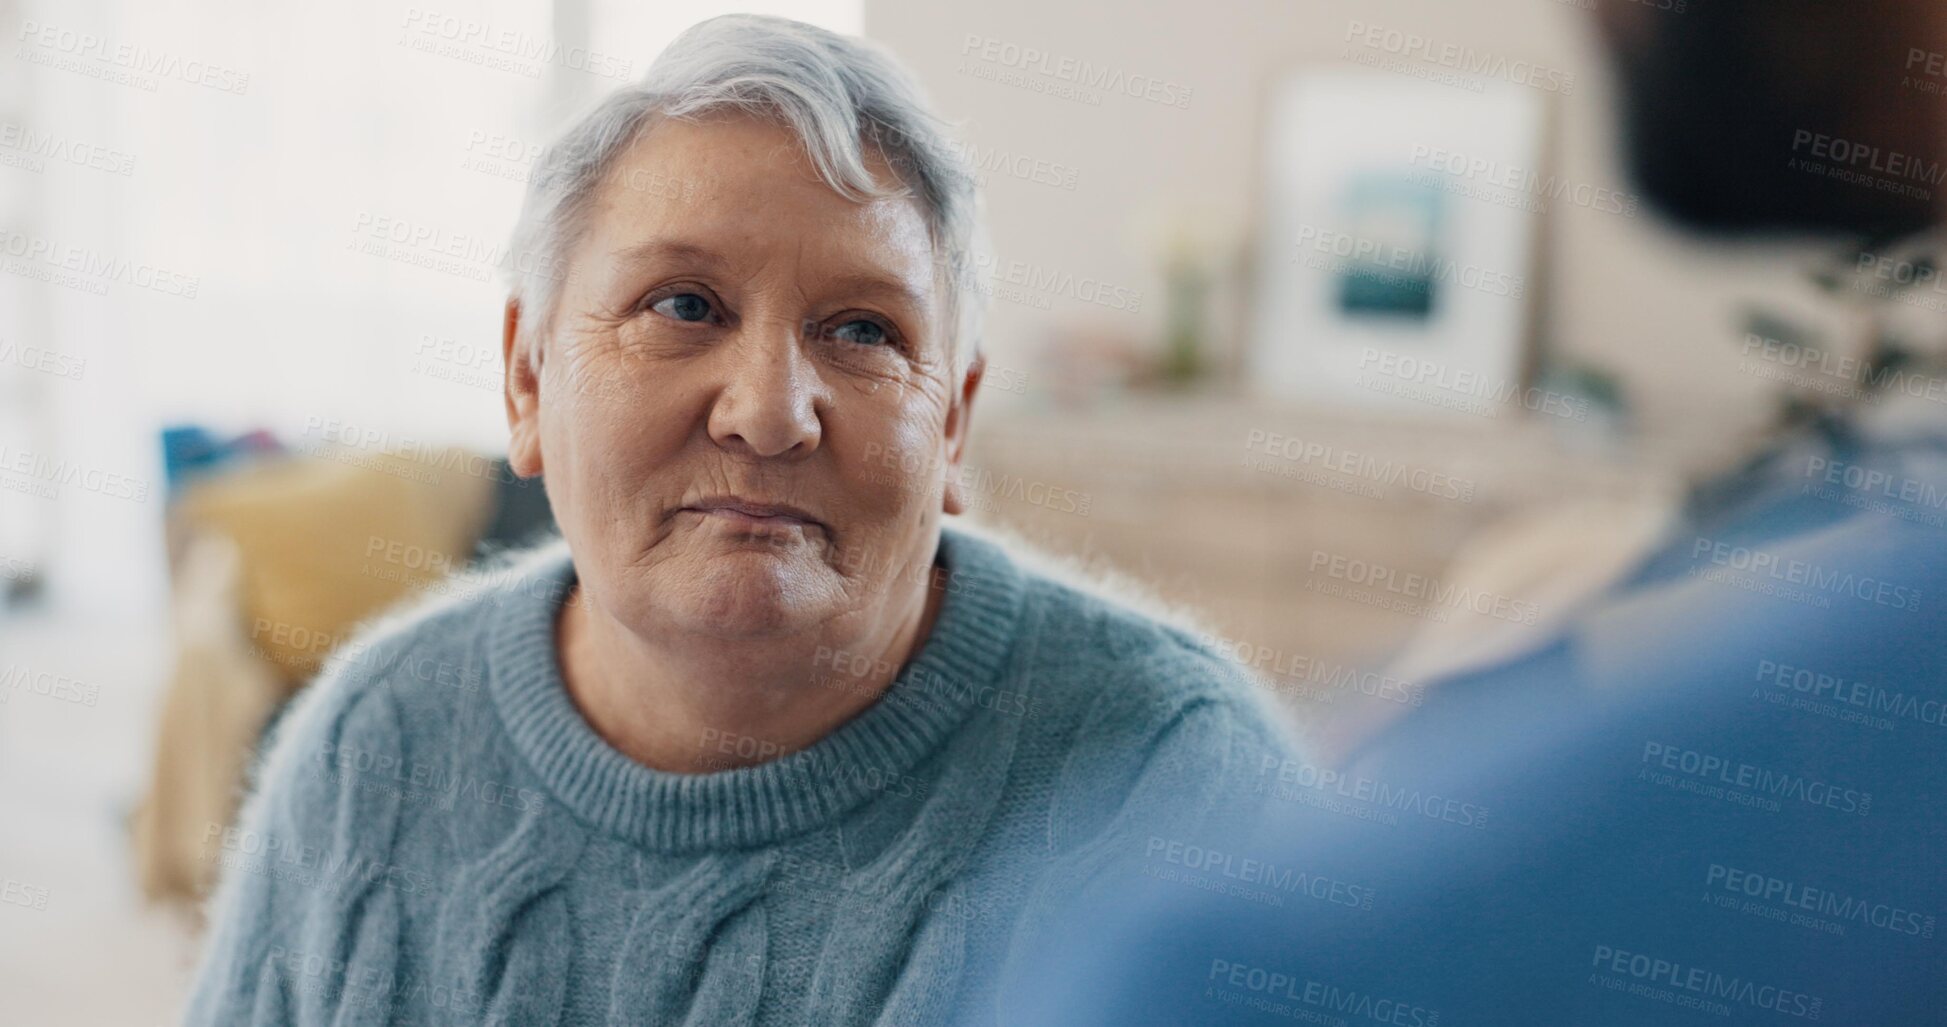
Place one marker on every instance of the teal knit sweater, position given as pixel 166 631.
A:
pixel 436 836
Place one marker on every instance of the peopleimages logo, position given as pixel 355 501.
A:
pixel 18 679
pixel 1420 588
pixel 39 469
pixel 1523 180
pixel 1706 984
pixel 1919 500
pixel 1464 59
pixel 1864 165
pixel 92 266
pixel 1285 778
pixel 1301 996
pixel 1249 870
pixel 1821 901
pixel 990 160
pixel 1854 376
pixel 1428 380
pixel 1408 261
pixel 135 61
pixel 249 851
pixel 1362 466
pixel 1034 61
pixel 1851 154
pixel 1037 278
pixel 1278 664
pixel 42 359
pixel 1712 769
pixel 1863 695
pixel 519 50
pixel 32 149
pixel 421 778
pixel 20 893
pixel 1764 565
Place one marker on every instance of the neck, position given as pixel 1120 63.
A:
pixel 697 704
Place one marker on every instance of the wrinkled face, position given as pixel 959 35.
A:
pixel 742 406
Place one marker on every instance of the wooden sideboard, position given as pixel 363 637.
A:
pixel 1249 514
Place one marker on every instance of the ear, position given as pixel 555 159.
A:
pixel 522 391
pixel 957 417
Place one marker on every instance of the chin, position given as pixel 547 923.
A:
pixel 753 595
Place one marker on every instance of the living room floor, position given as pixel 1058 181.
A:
pixel 77 943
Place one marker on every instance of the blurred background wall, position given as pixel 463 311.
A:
pixel 1662 312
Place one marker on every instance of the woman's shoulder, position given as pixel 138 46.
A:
pixel 1126 713
pixel 1108 649
pixel 409 681
pixel 1141 685
pixel 432 645
pixel 1147 727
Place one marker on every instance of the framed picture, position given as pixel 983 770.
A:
pixel 1397 226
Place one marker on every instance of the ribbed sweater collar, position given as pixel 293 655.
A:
pixel 747 807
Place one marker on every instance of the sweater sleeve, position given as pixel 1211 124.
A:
pixel 1149 771
pixel 297 861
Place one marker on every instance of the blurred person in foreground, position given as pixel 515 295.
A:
pixel 1719 793
pixel 763 739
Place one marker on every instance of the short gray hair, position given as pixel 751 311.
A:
pixel 844 99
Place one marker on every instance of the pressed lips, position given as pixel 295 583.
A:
pixel 754 514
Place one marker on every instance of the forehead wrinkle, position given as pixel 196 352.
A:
pixel 887 247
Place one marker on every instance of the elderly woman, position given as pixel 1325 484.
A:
pixel 762 739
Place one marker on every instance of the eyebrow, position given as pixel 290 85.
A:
pixel 868 283
pixel 874 284
pixel 664 249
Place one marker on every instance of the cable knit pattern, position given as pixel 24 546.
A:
pixel 674 927
pixel 365 825
pixel 503 927
pixel 889 893
pixel 438 837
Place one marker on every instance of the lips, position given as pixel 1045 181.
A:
pixel 754 513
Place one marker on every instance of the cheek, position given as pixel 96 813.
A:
pixel 892 452
pixel 615 427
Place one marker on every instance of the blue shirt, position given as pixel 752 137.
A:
pixel 1720 796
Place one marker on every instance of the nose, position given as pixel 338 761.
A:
pixel 768 403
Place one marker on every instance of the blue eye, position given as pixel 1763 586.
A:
pixel 864 333
pixel 687 306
